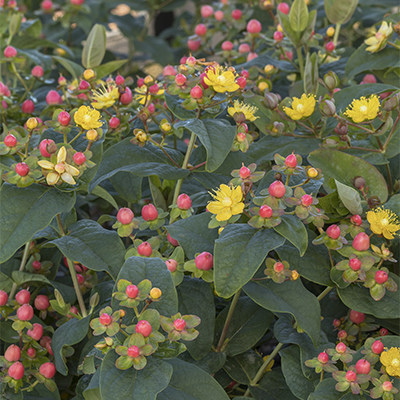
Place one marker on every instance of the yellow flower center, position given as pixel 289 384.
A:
pixel 300 108
pixel 226 202
pixel 395 363
pixel 221 79
pixel 60 168
pixel 363 109
pixel 86 118
pixel 384 222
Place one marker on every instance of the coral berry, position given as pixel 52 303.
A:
pixel 265 212
pixel 200 30
pixel 323 357
pixel 206 11
pixel 144 328
pixel 28 107
pixel 144 249
pixel 356 220
pixel 219 15
pixel 81 279
pixel 341 348
pixel 23 296
pixel 125 216
pixel 169 70
pixel 254 26
pixel 381 277
pixel 184 202
pixel 119 80
pixel 387 386
pixel 244 172
pixel 31 352
pixel 283 8
pixel 179 324
pixel 330 46
pixel 37 71
pixel 42 302
pixel 236 14
pixel 278 36
pixel 47 145
pixel 171 264
pixel 194 45
pixel 383 332
pixel 36 332
pixel 278 267
pixel 204 261
pixel 133 351
pixel 291 161
pixel 36 265
pixel 227 45
pixel 333 232
pixel 10 52
pixel 180 79
pixel 244 48
pixel 53 98
pixel 105 319
pixel 132 291
pixel 16 370
pixel 114 123
pixel 363 367
pixel 361 242
pixel 342 334
pixel 351 376
pixel 25 312
pixel 242 82
pixel 64 118
pixel 13 353
pixel 277 189
pixel 149 212
pixel 79 158
pixel 3 298
pixel 355 264
pixel 306 200
pixel 48 370
pixel 377 347
pixel 357 317
pixel 127 96
pixel 10 140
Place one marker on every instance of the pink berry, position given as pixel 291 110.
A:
pixel 171 264
pixel 79 158
pixel 323 357
pixel 336 323
pixel 227 45
pixel 172 240
pixel 254 26
pixel 204 261
pixel 206 11
pixel 36 265
pixel 145 249
pixel 284 8
pixel 10 52
pixel 194 45
pixel 25 312
pixel 291 161
pixel 219 15
pixel 119 80
pixel 127 96
pixel 357 317
pixel 169 70
pixel 42 302
pixel 333 232
pixel 387 386
pixel 278 267
pixel 154 89
pixel 151 108
pixel 341 348
pixel 329 47
pixel 342 334
pixel 191 61
pixel 381 277
pixel 61 80
pixel 236 14
pixel 251 56
pixel 245 73
pixel 383 332
pixel 16 370
pixel 140 82
pixel 44 145
pixel 48 370
pixel 13 353
pixel 144 328
pixel 351 376
pixel 265 212
pixel 355 264
pixel 64 118
pixel 73 310
pixel 84 85
pixel 369 78
pixel 200 30
pixel 277 189
pixel 125 216
pixel 36 332
pixel 46 5
pixel 242 82
pixel 377 347
pixel 179 324
pixel 356 220
pixel 22 169
pixel 3 298
pixel 180 79
pixel 307 200
pixel 278 36
pixel 184 202
pixel 149 212
pixel 48 348
pixel 244 172
pixel 37 71
pixel 31 352
pixel 53 98
pixel 363 367
pixel 28 107
pixel 133 351
pixel 289 54
pixel 10 140
pixel 105 319
pixel 81 279
pixel 361 242
pixel 114 122
pixel 244 48
pixel 132 291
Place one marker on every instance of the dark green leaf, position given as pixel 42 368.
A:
pixel 73 68
pixel 293 229
pixel 108 68
pixel 326 390
pixel 243 367
pixel 95 47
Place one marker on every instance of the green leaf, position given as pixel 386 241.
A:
pixel 344 167
pixel 339 11
pixel 100 192
pixel 157 47
pixel 92 391
pixel 128 186
pixel 326 390
pixel 311 74
pixel 293 229
pixel 193 234
pixel 248 325
pixel 239 252
pixel 108 68
pixel 216 136
pixel 284 298
pixel 41 392
pixel 298 16
pixel 73 68
pixel 196 298
pixel 68 334
pixel 263 113
pixel 350 198
pixel 243 367
pixel 141 161
pixel 25 211
pixel 144 384
pixel 14 24
pixel 97 248
pixel 95 47
pixel 211 363
pixel 289 32
pixel 394 204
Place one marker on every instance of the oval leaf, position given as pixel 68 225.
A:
pixel 95 47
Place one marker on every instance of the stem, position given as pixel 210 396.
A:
pixel 324 293
pixel 301 62
pixel 19 76
pixel 322 376
pixel 164 151
pixel 76 137
pixel 198 166
pixel 391 132
pixel 21 268
pixel 228 320
pixel 330 257
pixel 390 183
pixel 336 35
pixel 394 45
pixel 363 149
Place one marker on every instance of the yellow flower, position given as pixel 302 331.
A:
pixel 363 109
pixel 221 79
pixel 383 222
pixel 105 96
pixel 295 275
pixel 247 110
pixel 87 118
pixel 141 96
pixel 61 170
pixel 391 360
pixel 378 42
pixel 301 108
pixel 227 202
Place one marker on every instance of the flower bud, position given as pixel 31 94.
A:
pixel 196 92
pixel 358 182
pixel 184 202
pixel 13 353
pixel 312 173
pixel 32 123
pixel 271 100
pixel 92 135
pixel 341 129
pixel 390 103
pixel 330 31
pixel 331 80
pixel 155 293
pixel 89 74
pixel 327 108
pixel 373 202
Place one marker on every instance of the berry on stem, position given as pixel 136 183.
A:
pixel 144 328
pixel 16 370
pixel 351 376
pixel 204 261
pixel 277 189
pixel 144 249
pixel 172 240
pixel 79 158
pixel 64 118
pixel 3 298
pixel 125 216
pixel 355 264
pixel 357 317
pixel 48 370
pixel 381 277
pixel 291 161
pixel 133 351
pixel 105 319
pixel 36 332
pixel 10 140
pixel 323 357
pixel 283 8
pixel 171 264
pixel 363 367
pixel 184 202
pixel 23 297
pixel 42 302
pixel 265 211
pixel 179 324
pixel 377 347
pixel 25 312
pixel 244 172
pixel 132 291
pixel 149 212
pixel 361 242
pixel 13 353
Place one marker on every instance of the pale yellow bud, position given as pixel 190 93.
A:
pixel 92 134
pixel 330 31
pixel 32 123
pixel 155 293
pixel 268 68
pixel 89 74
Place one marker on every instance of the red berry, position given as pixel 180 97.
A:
pixel 219 15
pixel 73 310
pixel 144 328
pixel 114 122
pixel 245 73
pixel 241 136
pixel 48 348
pixel 363 367
pixel 333 232
pixel 227 45
pixel 84 85
pixel 10 52
pixel 355 264
pixel 291 161
pixel 277 189
pixel 36 332
pixel 180 79
pixel 79 158
pixel 284 8
pixel 369 78
pixel 46 5
pixel 184 202
pixel 244 172
pixel 3 298
pixel 149 212
pixel 169 70
pixel 28 107
pixel 254 26
pixel 307 200
pixel 45 145
pixel 381 277
pixel 278 267
pixel 48 370
pixel 278 36
pixel 127 96
pixel 329 47
pixel 194 45
pixel 151 108
pixel 145 249
pixel 42 302
pixel 323 357
pixel 206 11
pixel 16 370
pixel 377 347
pixel 357 317
pixel 387 386
pixel 132 291
pixel 10 140
pixel 133 351
pixel 31 352
pixel 342 334
pixel 154 89
pixel 37 71
pixel 336 323
pixel 361 242
pixel 265 212
pixel 45 340
pixel 23 297
pixel 236 14
pixel 341 348
pixel 244 48
pixel 22 169
pixel 125 216
pixel 351 376
pixel 179 324
pixel 171 264
pixel 81 279
pixel 356 220
pixel 204 261
pixel 105 319
pixel 200 30
pixel 383 332
pixel 191 61
pixel 25 312
pixel 13 353
pixel 242 82
pixel 289 54
pixel 64 118
pixel 36 265
pixel 172 240
pixel 140 82
pixel 196 92
pixel 119 80
pixel 53 98
pixel 61 80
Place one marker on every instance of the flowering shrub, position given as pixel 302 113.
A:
pixel 168 235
